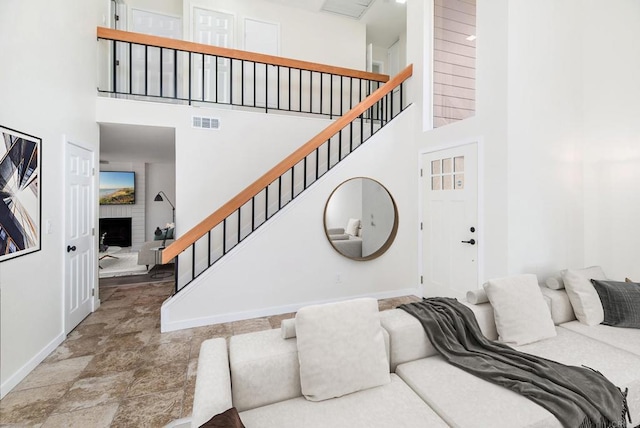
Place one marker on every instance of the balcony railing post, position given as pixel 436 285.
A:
pixel 115 67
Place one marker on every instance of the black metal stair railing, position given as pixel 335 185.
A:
pixel 270 199
pixel 154 71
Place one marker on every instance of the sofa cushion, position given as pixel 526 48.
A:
pixel 623 338
pixel 555 281
pixel 264 369
pixel 407 339
pixel 391 405
pixel 620 302
pixel 476 297
pixel 561 309
pixel 622 368
pixel 409 342
pixel 584 299
pixel 464 400
pixel 340 348
pixel 520 311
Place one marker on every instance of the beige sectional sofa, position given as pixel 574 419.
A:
pixel 259 374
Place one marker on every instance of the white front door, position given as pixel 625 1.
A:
pixel 449 187
pixel 80 254
pixel 215 28
pixel 155 24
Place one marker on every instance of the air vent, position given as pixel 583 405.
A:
pixel 205 122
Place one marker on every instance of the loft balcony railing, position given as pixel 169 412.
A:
pixel 150 67
pixel 202 246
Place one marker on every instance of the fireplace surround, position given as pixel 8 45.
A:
pixel 118 231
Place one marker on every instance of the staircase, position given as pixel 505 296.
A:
pixel 363 102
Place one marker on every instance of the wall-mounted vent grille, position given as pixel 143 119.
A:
pixel 205 122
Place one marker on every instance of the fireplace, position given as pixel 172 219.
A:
pixel 118 231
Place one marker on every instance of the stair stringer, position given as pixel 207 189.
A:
pixel 289 263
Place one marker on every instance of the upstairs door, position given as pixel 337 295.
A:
pixel 449 187
pixel 155 71
pixel 211 79
pixel 80 255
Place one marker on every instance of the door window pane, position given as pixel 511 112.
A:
pixel 447 166
pixel 447 182
pixel 435 167
pixel 458 164
pixel 436 183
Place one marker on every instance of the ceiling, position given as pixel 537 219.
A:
pixel 385 21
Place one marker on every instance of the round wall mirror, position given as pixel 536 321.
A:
pixel 361 219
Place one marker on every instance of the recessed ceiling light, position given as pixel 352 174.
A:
pixel 471 38
pixel 401 1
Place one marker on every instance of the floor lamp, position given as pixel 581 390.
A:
pixel 159 198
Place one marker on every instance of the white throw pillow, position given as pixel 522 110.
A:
pixel 555 282
pixel 340 348
pixel 521 313
pixel 582 295
pixel 352 226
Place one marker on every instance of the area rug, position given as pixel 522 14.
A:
pixel 125 264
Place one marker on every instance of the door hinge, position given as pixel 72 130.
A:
pixel 93 231
pixel 421 279
pixel 93 172
pixel 93 292
pixel 117 62
pixel 420 172
pixel 420 225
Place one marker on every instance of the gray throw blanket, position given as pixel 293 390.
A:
pixel 577 396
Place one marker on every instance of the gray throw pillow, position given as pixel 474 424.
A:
pixel 620 301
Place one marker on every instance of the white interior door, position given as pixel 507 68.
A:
pixel 80 255
pixel 154 24
pixel 215 28
pixel 450 221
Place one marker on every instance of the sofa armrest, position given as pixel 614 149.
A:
pixel 213 382
pixel 148 257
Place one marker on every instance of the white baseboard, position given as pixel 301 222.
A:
pixel 17 377
pixel 166 326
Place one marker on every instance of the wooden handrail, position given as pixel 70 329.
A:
pixel 182 45
pixel 198 231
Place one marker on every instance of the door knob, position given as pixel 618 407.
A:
pixel 470 241
pixel 70 248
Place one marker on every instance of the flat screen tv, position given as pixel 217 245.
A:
pixel 117 187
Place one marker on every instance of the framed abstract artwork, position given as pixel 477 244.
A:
pixel 20 188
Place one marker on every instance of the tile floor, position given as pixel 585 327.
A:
pixel 117 370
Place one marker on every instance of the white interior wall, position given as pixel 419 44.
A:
pixel 288 263
pixel 303 35
pixel 545 137
pixel 160 176
pixel 212 166
pixel 48 90
pixel 612 136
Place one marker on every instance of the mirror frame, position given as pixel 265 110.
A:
pixel 392 235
